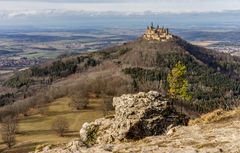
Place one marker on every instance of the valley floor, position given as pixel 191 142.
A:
pixel 35 129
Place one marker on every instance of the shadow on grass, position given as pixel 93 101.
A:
pixel 55 113
pixel 22 148
pixel 72 134
pixel 1 143
pixel 46 132
pixel 32 119
pixel 38 118
pixel 36 132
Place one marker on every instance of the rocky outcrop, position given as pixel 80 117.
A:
pixel 147 114
pixel 136 116
pixel 220 137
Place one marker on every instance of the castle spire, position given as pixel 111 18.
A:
pixel 159 34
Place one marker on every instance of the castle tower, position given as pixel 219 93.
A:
pixel 158 34
pixel 152 27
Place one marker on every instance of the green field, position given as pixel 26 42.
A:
pixel 51 55
pixel 36 129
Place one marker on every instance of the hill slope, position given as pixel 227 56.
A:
pixel 142 64
pixel 129 68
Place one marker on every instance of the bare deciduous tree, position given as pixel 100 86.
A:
pixel 79 102
pixel 8 131
pixel 60 126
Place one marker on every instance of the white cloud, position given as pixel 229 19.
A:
pixel 121 6
pixel 22 13
pixel 25 8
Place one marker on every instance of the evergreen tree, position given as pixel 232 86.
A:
pixel 178 84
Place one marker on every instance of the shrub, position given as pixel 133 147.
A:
pixel 8 131
pixel 91 135
pixel 6 99
pixel 19 80
pixel 79 95
pixel 79 102
pixel 124 51
pixel 60 126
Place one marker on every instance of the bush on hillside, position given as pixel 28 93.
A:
pixel 60 126
pixel 9 130
pixel 79 102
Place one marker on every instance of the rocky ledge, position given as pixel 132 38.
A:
pixel 147 115
pixel 136 117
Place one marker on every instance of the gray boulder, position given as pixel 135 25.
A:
pixel 136 116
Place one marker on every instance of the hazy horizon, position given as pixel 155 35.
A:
pixel 74 14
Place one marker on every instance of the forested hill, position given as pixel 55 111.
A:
pixel 140 66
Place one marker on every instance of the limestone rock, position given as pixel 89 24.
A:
pixel 136 116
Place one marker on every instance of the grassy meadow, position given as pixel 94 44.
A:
pixel 35 129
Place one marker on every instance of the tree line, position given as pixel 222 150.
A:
pixel 206 85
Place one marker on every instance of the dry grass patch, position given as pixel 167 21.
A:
pixel 190 142
pixel 210 144
pixel 36 129
pixel 216 116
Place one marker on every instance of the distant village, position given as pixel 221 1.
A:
pixel 226 47
pixel 159 34
pixel 8 62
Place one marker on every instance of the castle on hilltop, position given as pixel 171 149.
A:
pixel 159 34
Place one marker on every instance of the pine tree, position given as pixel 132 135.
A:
pixel 178 84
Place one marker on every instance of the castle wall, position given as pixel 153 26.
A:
pixel 159 34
